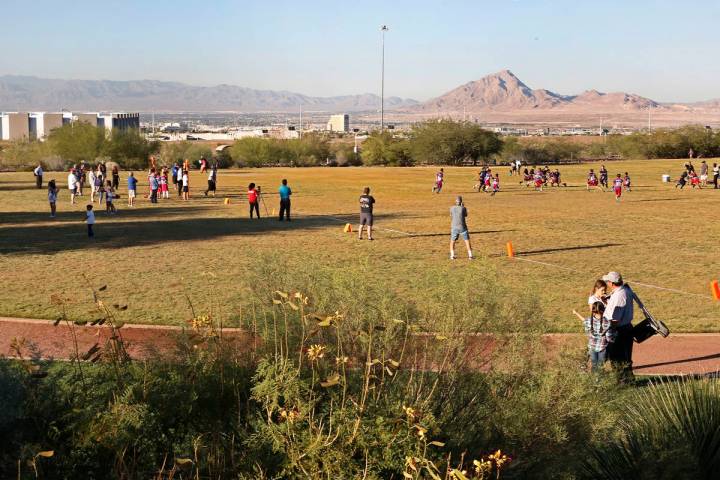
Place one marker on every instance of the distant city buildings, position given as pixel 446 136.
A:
pixel 38 125
pixel 339 123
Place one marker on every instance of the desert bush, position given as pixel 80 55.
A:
pixel 24 154
pixel 172 152
pixel 669 430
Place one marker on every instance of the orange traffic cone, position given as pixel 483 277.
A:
pixel 348 228
pixel 227 201
pixel 715 289
pixel 510 251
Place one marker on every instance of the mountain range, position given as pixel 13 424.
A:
pixel 25 93
pixel 499 97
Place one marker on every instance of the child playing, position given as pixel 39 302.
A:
pixel 90 220
pixel 52 197
pixel 682 180
pixel 109 195
pixel 695 180
pixel 253 200
pixel 539 181
pixel 495 184
pixel 626 182
pixel 617 187
pixel 592 181
pixel 439 176
pixel 164 192
pixel 99 189
pixel 600 334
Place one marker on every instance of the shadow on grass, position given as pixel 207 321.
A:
pixel 116 232
pixel 143 209
pixel 567 249
pixel 447 234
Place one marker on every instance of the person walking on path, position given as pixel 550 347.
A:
pixel 52 197
pixel 619 311
pixel 458 227
pixel 285 193
pixel 253 200
pixel 38 172
pixel 90 220
pixel 132 189
pixel 366 213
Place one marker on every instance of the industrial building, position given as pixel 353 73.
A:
pixel 339 123
pixel 38 125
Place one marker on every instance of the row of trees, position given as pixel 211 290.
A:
pixel 442 142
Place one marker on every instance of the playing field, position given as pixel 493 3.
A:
pixel 153 256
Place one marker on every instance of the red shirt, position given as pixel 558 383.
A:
pixel 252 196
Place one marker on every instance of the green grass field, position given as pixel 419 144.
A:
pixel 152 255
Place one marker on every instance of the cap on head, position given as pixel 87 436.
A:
pixel 613 277
pixel 458 200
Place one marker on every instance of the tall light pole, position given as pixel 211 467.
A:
pixel 383 29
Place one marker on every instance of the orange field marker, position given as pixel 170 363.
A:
pixel 715 287
pixel 227 201
pixel 510 251
pixel 348 228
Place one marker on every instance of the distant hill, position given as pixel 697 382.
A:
pixel 504 92
pixel 32 93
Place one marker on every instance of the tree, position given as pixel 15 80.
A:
pixel 251 152
pixel 78 141
pixel 179 151
pixel 452 143
pixel 375 148
pixel 130 149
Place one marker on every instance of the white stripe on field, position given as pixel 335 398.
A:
pixel 647 285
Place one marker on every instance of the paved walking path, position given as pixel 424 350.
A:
pixel 681 353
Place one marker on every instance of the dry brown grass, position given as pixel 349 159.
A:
pixel 152 256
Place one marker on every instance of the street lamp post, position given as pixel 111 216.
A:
pixel 383 29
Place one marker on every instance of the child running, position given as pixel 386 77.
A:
pixel 495 185
pixel 52 197
pixel 600 334
pixel 439 176
pixel 617 187
pixel 626 182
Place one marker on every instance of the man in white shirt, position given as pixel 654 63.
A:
pixel 38 176
pixel 619 311
pixel 72 186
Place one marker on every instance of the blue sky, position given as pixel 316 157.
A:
pixel 666 50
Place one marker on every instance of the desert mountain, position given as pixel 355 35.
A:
pixel 32 93
pixel 503 91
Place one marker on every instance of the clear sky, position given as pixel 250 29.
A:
pixel 666 50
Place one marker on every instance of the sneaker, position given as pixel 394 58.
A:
pixel 452 257
pixel 371 238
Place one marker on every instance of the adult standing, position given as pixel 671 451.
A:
pixel 458 227
pixel 186 185
pixel 91 180
pixel 115 177
pixel 174 171
pixel 72 185
pixel 212 179
pixel 716 174
pixel 619 311
pixel 285 193
pixel 132 189
pixel 366 213
pixel 38 172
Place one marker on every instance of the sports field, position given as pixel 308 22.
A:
pixel 153 256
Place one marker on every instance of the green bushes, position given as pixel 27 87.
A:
pixel 185 150
pixel 448 142
pixel 311 150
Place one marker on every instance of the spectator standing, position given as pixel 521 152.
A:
pixel 619 311
pixel 253 200
pixel 132 189
pixel 90 220
pixel 600 335
pixel 212 178
pixel 153 188
pixel 703 173
pixel 185 185
pixel 115 177
pixel 38 172
pixel 72 185
pixel 285 193
pixel 366 213
pixel 458 227
pixel 716 174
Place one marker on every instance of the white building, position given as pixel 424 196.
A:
pixel 339 123
pixel 38 125
pixel 42 123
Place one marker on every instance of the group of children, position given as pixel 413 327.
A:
pixel 541 177
pixel 487 182
pixel 619 182
pixel 101 187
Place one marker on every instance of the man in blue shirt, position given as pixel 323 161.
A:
pixel 132 189
pixel 153 188
pixel 285 193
